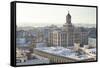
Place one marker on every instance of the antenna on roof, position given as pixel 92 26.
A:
pixel 68 11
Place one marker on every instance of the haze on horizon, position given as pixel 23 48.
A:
pixel 45 15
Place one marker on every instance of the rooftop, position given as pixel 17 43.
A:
pixel 61 51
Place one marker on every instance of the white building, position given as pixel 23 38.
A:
pixel 61 54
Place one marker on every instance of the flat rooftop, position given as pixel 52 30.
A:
pixel 61 51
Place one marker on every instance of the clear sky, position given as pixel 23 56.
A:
pixel 44 15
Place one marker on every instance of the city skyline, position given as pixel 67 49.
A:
pixel 30 15
pixel 53 44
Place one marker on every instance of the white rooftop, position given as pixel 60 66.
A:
pixel 61 51
pixel 93 49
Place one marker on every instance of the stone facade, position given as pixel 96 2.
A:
pixel 68 35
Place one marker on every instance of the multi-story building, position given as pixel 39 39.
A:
pixel 68 35
pixel 62 55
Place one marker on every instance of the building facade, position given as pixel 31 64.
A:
pixel 68 35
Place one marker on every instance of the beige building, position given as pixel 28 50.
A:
pixel 68 35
